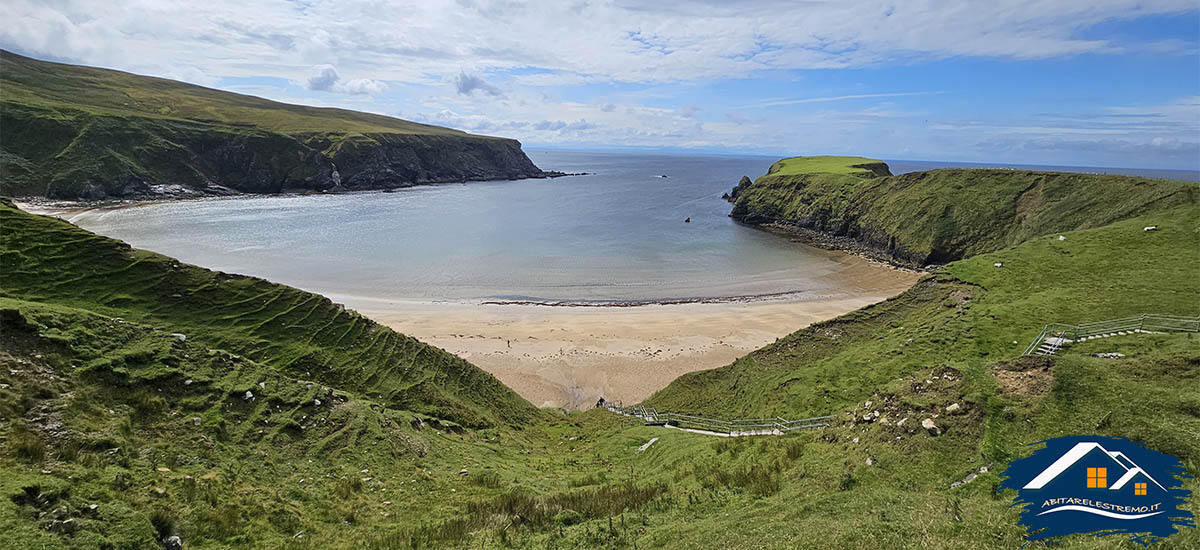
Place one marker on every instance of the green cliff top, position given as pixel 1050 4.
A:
pixel 105 92
pixel 827 164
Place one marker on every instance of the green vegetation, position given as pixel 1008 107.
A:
pixel 81 132
pixel 296 333
pixel 861 167
pixel 357 437
pixel 945 215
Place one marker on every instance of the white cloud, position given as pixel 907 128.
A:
pixel 612 40
pixel 325 78
pixel 440 58
pixel 468 84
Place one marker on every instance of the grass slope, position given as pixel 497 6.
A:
pixel 97 410
pixel 969 311
pixel 57 86
pixel 295 332
pixel 82 132
pixel 944 215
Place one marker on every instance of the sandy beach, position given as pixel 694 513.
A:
pixel 571 356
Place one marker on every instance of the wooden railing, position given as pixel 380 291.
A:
pixel 747 426
pixel 1148 322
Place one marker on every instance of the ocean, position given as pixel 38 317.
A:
pixel 643 227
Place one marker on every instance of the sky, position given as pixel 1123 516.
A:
pixel 1061 82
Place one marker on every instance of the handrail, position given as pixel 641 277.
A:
pixel 1138 323
pixel 750 426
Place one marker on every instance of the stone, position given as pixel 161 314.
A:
pixel 869 461
pixel 249 396
pixel 178 336
pixel 1062 238
pixel 173 542
pixel 901 422
pixel 930 426
pixel 196 420
pixel 316 402
pixel 855 441
pixel 463 472
pixel 953 408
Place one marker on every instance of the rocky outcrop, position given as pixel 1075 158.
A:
pixel 737 190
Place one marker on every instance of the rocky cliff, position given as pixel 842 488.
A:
pixel 82 133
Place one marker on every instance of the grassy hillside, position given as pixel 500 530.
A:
pixel 81 132
pixel 968 312
pixel 104 442
pixel 291 331
pixel 944 215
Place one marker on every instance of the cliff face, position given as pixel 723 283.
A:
pixel 74 132
pixel 68 154
pixel 939 216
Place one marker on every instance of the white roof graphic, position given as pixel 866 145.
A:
pixel 1069 458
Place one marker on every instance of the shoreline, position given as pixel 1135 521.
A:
pixel 569 353
pixel 48 206
pixel 570 356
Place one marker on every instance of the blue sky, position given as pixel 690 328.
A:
pixel 1066 82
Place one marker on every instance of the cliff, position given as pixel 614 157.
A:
pixel 74 132
pixel 939 216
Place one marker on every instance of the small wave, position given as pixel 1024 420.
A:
pixel 789 295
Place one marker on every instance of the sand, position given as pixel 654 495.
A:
pixel 569 357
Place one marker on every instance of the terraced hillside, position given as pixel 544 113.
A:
pixel 74 132
pixel 943 215
pixel 295 333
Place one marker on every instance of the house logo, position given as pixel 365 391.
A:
pixel 1100 486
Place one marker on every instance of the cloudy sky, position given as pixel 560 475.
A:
pixel 1070 82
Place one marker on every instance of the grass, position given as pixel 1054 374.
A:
pixel 295 333
pixel 945 215
pixel 102 405
pixel 75 132
pixel 861 167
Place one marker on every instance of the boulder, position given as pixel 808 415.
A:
pixel 930 427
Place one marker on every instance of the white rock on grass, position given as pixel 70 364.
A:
pixel 930 427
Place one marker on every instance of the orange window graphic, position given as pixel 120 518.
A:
pixel 1097 478
pixel 1139 488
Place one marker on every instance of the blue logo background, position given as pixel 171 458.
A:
pixel 1099 485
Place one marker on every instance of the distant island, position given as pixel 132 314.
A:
pixel 82 133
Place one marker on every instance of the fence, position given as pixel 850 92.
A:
pixel 750 426
pixel 1058 334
